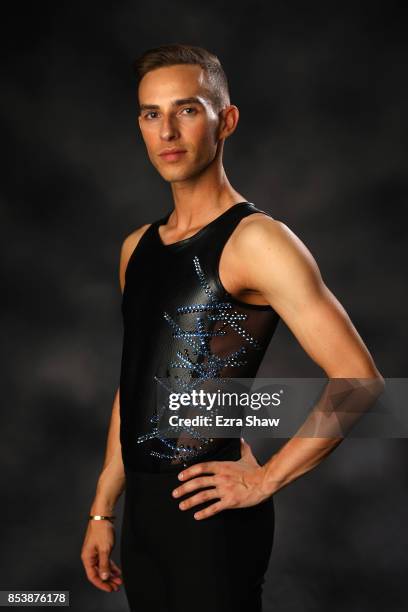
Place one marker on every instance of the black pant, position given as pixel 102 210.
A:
pixel 173 562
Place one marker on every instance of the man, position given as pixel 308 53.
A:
pixel 235 271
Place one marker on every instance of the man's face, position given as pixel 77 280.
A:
pixel 168 120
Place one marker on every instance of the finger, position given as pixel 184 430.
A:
pixel 116 573
pixel 104 565
pixel 192 485
pixel 92 574
pixel 115 569
pixel 112 580
pixel 209 511
pixel 199 498
pixel 207 467
pixel 115 583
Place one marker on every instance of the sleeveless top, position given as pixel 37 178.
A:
pixel 179 322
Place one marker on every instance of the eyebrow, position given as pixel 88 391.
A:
pixel 178 102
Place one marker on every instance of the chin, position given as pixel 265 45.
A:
pixel 172 177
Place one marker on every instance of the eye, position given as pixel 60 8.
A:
pixel 149 114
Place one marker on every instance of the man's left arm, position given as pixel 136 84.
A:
pixel 283 270
pixel 278 266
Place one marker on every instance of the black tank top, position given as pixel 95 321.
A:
pixel 180 323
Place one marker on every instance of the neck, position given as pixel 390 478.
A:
pixel 200 198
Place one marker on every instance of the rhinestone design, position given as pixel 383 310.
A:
pixel 199 362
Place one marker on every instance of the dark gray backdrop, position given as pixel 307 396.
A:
pixel 321 143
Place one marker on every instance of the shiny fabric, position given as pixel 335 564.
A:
pixel 181 324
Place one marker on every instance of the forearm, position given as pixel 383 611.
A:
pixel 296 457
pixel 343 402
pixel 111 481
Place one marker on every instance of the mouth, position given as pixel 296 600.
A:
pixel 173 155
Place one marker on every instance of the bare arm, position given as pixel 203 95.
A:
pixel 283 270
pixel 111 481
pixel 99 540
pixel 274 263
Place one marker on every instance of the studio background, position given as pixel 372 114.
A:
pixel 321 144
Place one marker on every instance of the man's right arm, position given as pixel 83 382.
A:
pixel 111 481
pixel 101 571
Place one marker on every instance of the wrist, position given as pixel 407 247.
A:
pixel 102 507
pixel 101 518
pixel 262 483
pixel 270 483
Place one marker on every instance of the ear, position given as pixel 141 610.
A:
pixel 229 120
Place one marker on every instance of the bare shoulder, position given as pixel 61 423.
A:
pixel 131 240
pixel 129 244
pixel 262 234
pixel 261 226
pixel 273 255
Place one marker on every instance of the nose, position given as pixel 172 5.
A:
pixel 168 129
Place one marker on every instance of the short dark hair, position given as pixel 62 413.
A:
pixel 173 54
